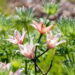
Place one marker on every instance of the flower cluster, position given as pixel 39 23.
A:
pixel 28 49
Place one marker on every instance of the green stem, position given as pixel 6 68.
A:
pixel 38 42
pixel 37 66
pixel 42 53
pixel 39 69
pixel 25 66
pixel 36 52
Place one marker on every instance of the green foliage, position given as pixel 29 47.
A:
pixel 15 64
pixel 67 27
pixel 51 8
pixel 5 47
pixel 24 15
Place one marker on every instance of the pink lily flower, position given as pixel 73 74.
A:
pixel 4 66
pixel 17 39
pixel 27 49
pixel 52 41
pixel 41 27
pixel 18 72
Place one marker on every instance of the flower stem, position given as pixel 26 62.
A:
pixel 39 69
pixel 40 38
pixel 37 46
pixel 36 52
pixel 42 53
pixel 37 66
pixel 51 63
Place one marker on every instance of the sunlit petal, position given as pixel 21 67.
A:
pixel 11 37
pixel 63 41
pixel 34 26
pixel 12 41
pixel 38 26
pixel 17 35
pixel 21 47
pixel 47 29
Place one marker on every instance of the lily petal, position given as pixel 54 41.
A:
pixel 17 35
pixel 21 47
pixel 33 26
pixel 38 26
pixel 11 37
pixel 12 41
pixel 63 41
pixel 48 28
